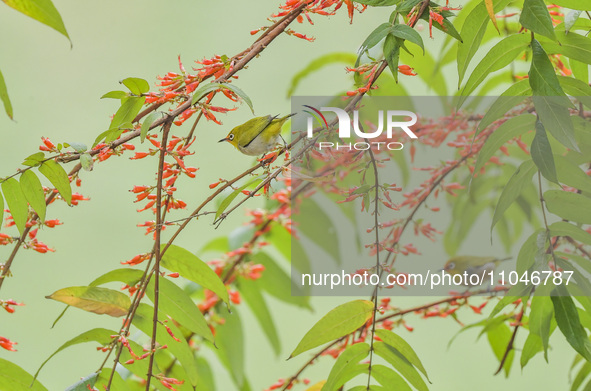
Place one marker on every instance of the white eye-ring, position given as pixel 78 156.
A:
pixel 231 137
pixel 451 266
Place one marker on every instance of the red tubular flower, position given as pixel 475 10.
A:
pixel 406 70
pixel 7 344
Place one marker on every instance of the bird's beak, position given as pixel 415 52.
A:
pixel 224 139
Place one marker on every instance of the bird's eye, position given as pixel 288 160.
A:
pixel 451 266
pixel 231 137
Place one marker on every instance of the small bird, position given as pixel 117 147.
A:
pixel 471 265
pixel 258 135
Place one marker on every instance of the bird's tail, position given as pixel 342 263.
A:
pixel 288 115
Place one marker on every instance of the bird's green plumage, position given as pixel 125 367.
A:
pixel 467 263
pixel 258 135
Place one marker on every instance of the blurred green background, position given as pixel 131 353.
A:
pixel 55 92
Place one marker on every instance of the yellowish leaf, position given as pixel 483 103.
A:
pixel 317 386
pixel 491 12
pixel 94 299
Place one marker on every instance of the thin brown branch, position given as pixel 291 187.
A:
pixel 158 233
pixel 512 340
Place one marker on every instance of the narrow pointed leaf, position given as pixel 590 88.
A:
pixel 570 19
pixel 100 335
pixel 573 4
pixel 4 98
pixel 319 63
pixel 388 378
pixel 147 124
pixel 513 189
pixel 58 178
pixel 571 175
pixel 398 343
pixel 400 364
pixel 251 292
pixel 346 361
pixel 16 202
pixel 567 318
pixel 41 10
pixel 408 33
pixel 569 206
pixel 188 265
pixel 541 153
pixel 14 378
pixel 511 98
pixel 491 12
pixel 498 57
pixel 180 349
pixel 228 200
pixel 177 304
pixel 535 17
pixel 540 318
pixel 94 299
pixel 510 129
pixel 337 323
pixel 33 191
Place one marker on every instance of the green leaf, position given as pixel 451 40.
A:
pixel 473 31
pixel 103 378
pixel 531 347
pixel 569 206
pixel 251 292
pixel 510 129
pixel 498 57
pixel 562 228
pixel 94 299
pixel 388 378
pixel 147 124
pixel 126 276
pixel 230 342
pixel 100 335
pixel 541 153
pixel 34 159
pixel 228 200
pixel 408 33
pixel 395 341
pixel 572 45
pixel 540 319
pixel 14 378
pixel 337 323
pixel 512 97
pixel 16 202
pixel 177 304
pixel 33 192
pixel 498 338
pixel 372 40
pixel 401 364
pixel 136 85
pixel 41 10
pixel 130 107
pixel 84 384
pixel 346 361
pixel 115 95
pixel 58 178
pixel 277 282
pixel 4 97
pixel 392 54
pixel 542 77
pixel 317 64
pixel 577 88
pixel 580 72
pixel 317 226
pixel 573 4
pixel 143 320
pixel 567 319
pixel 535 17
pixel 581 376
pixel 520 178
pixel 556 118
pixel 188 265
pixel 571 175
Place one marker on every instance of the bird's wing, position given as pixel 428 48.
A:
pixel 263 127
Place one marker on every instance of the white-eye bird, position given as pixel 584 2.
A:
pixel 472 265
pixel 258 135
